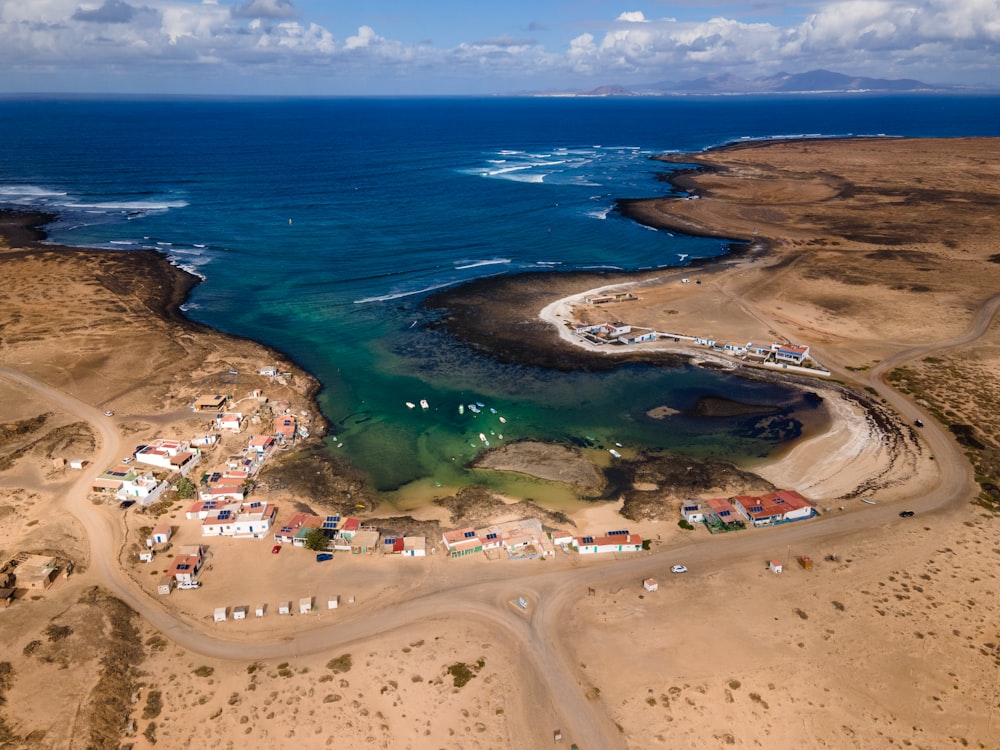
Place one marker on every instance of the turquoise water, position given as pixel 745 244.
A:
pixel 319 226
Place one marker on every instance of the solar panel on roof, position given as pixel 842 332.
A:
pixel 491 535
pixel 690 507
pixel 390 540
pixel 723 513
pixel 469 534
pixel 588 540
pixel 183 566
pixel 256 505
pixel 756 509
pixel 332 519
pixel 285 530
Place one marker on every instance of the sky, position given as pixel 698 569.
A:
pixel 445 47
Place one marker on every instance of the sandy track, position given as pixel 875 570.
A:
pixel 551 593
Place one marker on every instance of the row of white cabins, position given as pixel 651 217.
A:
pixel 623 333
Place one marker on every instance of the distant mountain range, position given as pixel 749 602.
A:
pixel 815 81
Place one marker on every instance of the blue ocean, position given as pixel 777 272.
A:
pixel 320 225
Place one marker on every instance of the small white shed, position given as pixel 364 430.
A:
pixel 284 608
pixel 774 566
pixel 260 610
pixel 650 584
pixel 333 602
pixel 305 605
pixel 76 463
pixel 239 613
pixel 221 614
pixel 146 557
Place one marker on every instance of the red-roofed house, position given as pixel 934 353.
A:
pixel 775 507
pixel 184 568
pixel 591 545
pixel 261 444
pixel 724 512
pixel 461 542
pixel 284 427
pixel 295 530
pixel 230 422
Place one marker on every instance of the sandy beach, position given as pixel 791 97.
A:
pixel 885 639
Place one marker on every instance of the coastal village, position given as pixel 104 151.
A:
pixel 216 469
pixel 775 355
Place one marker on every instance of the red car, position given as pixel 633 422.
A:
pixel 275 549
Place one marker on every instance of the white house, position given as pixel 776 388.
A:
pixel 414 546
pixel 269 372
pixel 613 542
pixel 143 487
pixel 241 521
pixel 221 614
pixel 185 567
pixel 172 455
pixel 693 512
pixel 162 533
pixel 305 605
pixel 791 353
pixel 229 422
pixel 261 444
pixel 638 335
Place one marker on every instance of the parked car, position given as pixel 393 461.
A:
pixel 191 585
pixel 323 557
pixel 679 569
pixel 128 460
pixel 906 514
pixel 918 423
pixel 109 413
pixel 126 504
pixel 275 549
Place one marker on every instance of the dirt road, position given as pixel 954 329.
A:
pixel 557 680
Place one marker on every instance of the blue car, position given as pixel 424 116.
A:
pixel 323 557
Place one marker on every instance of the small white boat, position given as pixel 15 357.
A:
pixel 500 436
pixel 480 404
pixel 614 453
pixel 411 405
pixel 503 420
pixel 473 408
pixel 492 410
pixel 424 404
pixel 868 500
pixel 461 408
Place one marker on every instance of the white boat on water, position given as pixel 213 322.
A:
pixel 614 453
pixel 424 404
pixel 461 408
pixel 473 408
pixel 503 420
pixel 411 405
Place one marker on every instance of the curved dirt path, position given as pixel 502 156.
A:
pixel 551 593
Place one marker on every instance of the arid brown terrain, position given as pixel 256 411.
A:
pixel 879 254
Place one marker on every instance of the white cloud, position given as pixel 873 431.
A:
pixel 632 16
pixel 875 37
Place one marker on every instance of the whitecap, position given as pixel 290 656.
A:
pixel 400 295
pixel 600 213
pixel 130 205
pixel 477 263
